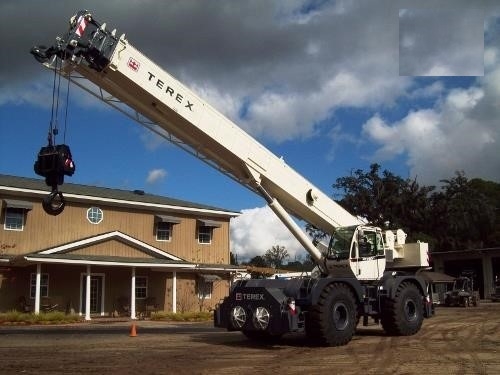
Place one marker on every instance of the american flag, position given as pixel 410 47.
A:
pixel 81 25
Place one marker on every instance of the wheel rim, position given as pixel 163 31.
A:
pixel 238 316
pixel 340 316
pixel 261 318
pixel 410 310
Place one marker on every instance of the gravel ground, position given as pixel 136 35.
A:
pixel 455 341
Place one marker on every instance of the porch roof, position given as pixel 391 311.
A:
pixel 437 277
pixel 103 260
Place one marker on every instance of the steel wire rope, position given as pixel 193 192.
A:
pixel 56 94
pixel 55 130
pixel 66 109
pixel 51 124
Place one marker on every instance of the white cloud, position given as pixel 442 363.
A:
pixel 151 140
pixel 433 90
pixel 490 57
pixel 286 67
pixel 339 138
pixel 464 100
pixel 292 63
pixel 407 41
pixel 441 42
pixel 290 115
pixel 439 70
pixel 258 229
pixel 491 83
pixel 156 175
pixel 387 135
pixel 38 93
pixel 458 134
pixel 222 101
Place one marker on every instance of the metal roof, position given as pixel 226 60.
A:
pixel 131 196
pixel 13 203
pixel 437 277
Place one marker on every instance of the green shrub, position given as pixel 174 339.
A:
pixel 58 317
pixel 182 317
pixel 54 317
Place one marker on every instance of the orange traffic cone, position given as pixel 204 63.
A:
pixel 133 331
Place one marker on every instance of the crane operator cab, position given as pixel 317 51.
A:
pixel 359 249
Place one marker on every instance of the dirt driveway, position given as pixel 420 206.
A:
pixel 455 341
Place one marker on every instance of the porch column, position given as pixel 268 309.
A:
pixel 37 287
pixel 132 295
pixel 174 292
pixel 87 294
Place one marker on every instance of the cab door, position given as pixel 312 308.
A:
pixel 367 255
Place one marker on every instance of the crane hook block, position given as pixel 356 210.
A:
pixel 54 203
pixel 53 163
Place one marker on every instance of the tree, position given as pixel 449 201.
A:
pixel 258 261
pixel 233 259
pixel 463 217
pixel 275 256
pixel 316 234
pixel 383 199
pixel 491 191
pixel 462 214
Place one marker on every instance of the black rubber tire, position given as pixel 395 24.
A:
pixel 403 315
pixel 447 301
pixel 332 321
pixel 465 302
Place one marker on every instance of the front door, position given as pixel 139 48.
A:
pixel 96 293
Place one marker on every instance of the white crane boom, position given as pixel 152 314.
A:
pixel 137 81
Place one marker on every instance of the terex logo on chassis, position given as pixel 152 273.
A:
pixel 249 296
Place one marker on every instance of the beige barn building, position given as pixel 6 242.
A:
pixel 110 251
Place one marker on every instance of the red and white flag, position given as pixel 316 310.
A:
pixel 81 25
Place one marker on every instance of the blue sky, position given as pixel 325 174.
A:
pixel 331 86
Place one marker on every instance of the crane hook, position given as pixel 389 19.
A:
pixel 53 163
pixel 54 203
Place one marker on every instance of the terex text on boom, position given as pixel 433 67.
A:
pixel 170 91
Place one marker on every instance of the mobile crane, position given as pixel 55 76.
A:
pixel 365 272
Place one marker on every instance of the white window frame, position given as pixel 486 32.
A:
pixel 14 214
pixel 169 230
pixel 141 287
pixel 204 289
pixel 44 285
pixel 209 233
pixel 95 213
